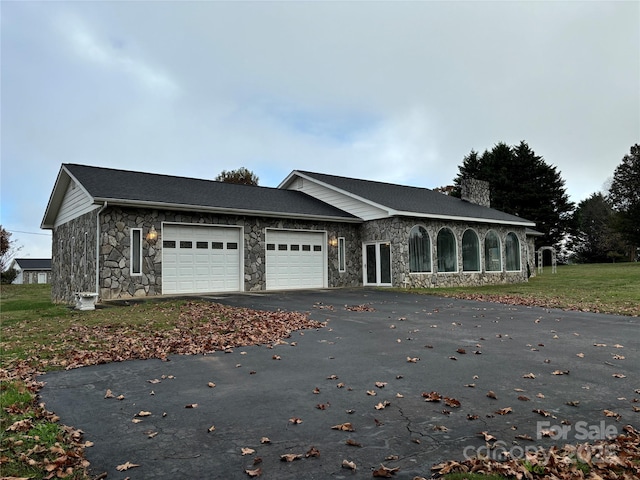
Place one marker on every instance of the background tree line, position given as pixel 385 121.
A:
pixel 603 227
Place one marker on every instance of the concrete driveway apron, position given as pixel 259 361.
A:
pixel 570 365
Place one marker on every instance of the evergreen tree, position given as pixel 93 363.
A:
pixel 523 184
pixel 594 239
pixel 624 195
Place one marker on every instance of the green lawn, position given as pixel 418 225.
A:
pixel 603 288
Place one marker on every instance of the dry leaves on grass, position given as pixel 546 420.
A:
pixel 201 327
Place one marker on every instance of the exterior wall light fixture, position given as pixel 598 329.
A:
pixel 152 235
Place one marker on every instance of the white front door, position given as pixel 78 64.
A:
pixel 201 259
pixel 295 259
pixel 376 263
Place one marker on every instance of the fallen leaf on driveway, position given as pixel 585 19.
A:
pixel 254 473
pixel 191 405
pixel 504 411
pixel 143 413
pixel 353 443
pixel 529 375
pixel 126 466
pixel 290 457
pixel 431 396
pixel 451 402
pixel 619 375
pixel 349 465
pixel 211 384
pixel 542 412
pixel 487 436
pixel 312 452
pixel 345 427
pixel 265 440
pixel 295 420
pixel 610 413
pixel 413 359
pixel 492 394
pixel 247 451
pixel 385 472
pixel 108 394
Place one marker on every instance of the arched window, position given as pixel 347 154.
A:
pixel 447 253
pixel 419 250
pixel 470 252
pixel 492 258
pixel 512 252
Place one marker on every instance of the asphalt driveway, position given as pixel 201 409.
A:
pixel 568 366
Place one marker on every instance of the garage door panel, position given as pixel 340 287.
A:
pixel 196 259
pixel 295 259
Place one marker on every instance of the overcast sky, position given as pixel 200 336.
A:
pixel 398 92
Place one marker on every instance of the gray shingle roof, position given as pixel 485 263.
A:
pixel 123 186
pixel 34 263
pixel 421 201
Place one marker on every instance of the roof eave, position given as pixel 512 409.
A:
pixel 523 223
pixel 225 210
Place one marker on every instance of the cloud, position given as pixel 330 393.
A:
pixel 87 45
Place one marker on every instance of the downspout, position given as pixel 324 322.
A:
pixel 98 249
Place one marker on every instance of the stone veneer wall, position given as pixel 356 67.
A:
pixel 116 282
pixel 73 258
pixel 396 231
pixel 73 268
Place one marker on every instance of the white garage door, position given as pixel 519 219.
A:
pixel 295 259
pixel 200 259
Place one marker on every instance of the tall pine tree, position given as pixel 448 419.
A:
pixel 522 184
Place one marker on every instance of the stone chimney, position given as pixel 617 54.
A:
pixel 475 191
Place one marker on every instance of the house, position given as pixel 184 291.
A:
pixel 32 270
pixel 125 234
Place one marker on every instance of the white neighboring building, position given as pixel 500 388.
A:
pixel 32 270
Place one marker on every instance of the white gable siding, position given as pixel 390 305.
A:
pixel 339 200
pixel 74 204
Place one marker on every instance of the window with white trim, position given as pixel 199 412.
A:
pixel 470 251
pixel 512 252
pixel 136 251
pixel 419 250
pixel 447 251
pixel 342 264
pixel 492 256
